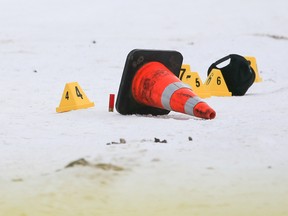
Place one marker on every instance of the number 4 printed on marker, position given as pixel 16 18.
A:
pixel 73 98
pixel 78 92
pixel 67 95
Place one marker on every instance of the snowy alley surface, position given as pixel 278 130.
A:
pixel 235 164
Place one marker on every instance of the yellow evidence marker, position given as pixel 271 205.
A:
pixel 216 84
pixel 253 64
pixel 193 79
pixel 73 98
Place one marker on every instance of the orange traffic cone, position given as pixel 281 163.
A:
pixel 148 86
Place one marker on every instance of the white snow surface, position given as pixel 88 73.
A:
pixel 236 164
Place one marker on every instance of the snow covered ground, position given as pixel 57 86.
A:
pixel 236 164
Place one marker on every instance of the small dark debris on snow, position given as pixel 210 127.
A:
pixel 190 138
pixel 269 167
pixel 108 166
pixel 156 140
pixel 155 160
pixel 35 71
pixel 94 42
pixel 79 162
pixel 276 37
pixel 121 141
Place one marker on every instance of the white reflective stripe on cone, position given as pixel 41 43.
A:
pixel 190 104
pixel 169 91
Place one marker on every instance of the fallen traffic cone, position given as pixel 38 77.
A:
pixel 150 85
